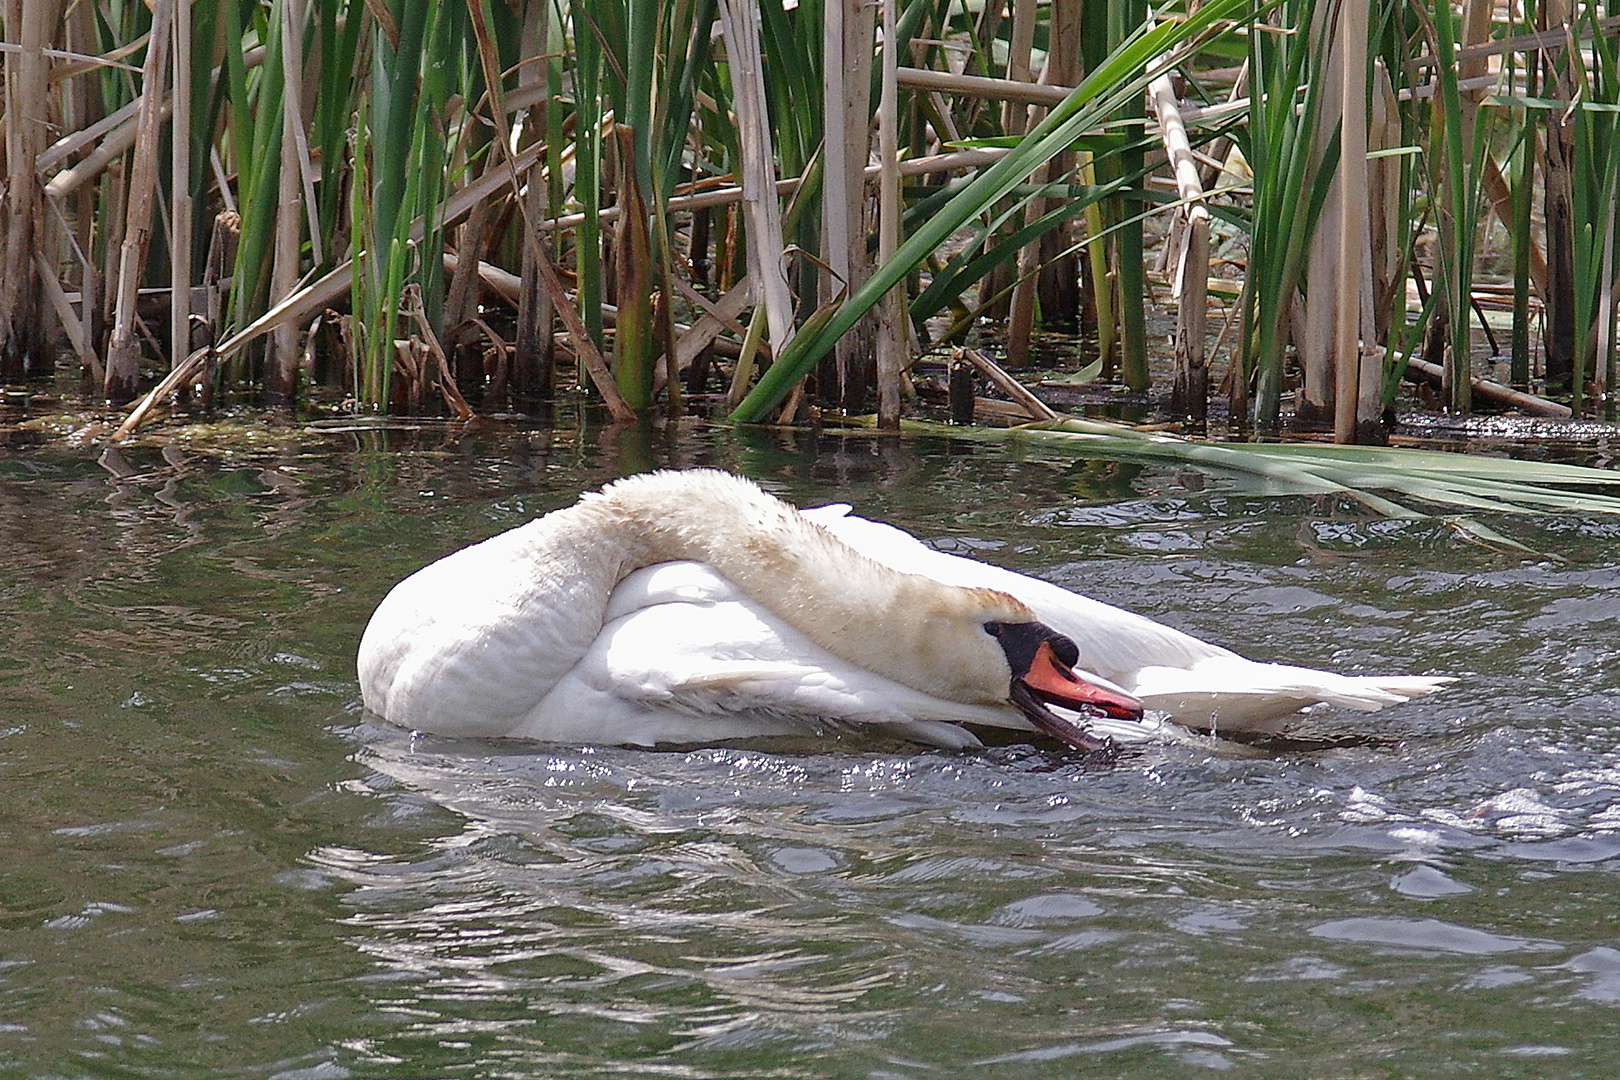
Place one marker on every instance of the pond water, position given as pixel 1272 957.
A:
pixel 213 864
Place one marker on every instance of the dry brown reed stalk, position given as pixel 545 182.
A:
pixel 739 20
pixel 115 139
pixel 124 352
pixel 78 339
pixel 1012 91
pixel 1188 252
pixel 847 43
pixel 413 307
pixel 22 223
pixel 1032 406
pixel 1355 414
pixel 891 334
pixel 1494 393
pixel 182 373
pixel 464 267
pixel 1314 331
pixel 282 358
pixel 716 318
pixel 731 195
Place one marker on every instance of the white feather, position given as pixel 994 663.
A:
pixel 595 624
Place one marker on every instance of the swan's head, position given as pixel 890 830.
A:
pixel 986 647
pixel 1042 663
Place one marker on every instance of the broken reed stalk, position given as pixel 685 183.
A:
pixel 413 306
pixel 731 195
pixel 71 324
pixel 1010 90
pixel 181 374
pixel 119 137
pixel 1504 396
pixel 1027 401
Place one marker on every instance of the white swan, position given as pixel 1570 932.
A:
pixel 680 607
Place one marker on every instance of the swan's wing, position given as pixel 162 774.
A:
pixel 684 657
pixel 1194 682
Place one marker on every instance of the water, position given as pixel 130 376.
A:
pixel 215 865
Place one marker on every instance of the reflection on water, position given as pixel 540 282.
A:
pixel 215 865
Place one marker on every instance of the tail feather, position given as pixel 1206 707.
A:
pixel 1234 694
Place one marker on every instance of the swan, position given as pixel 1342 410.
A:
pixel 692 606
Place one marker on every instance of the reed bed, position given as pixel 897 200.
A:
pixel 762 208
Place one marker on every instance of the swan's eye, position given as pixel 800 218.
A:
pixel 1020 640
pixel 1065 649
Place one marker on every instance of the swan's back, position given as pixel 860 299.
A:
pixel 1196 683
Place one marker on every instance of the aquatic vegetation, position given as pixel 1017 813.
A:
pixel 435 204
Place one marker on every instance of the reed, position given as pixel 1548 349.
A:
pixel 336 152
pixel 1292 170
pixel 1122 77
pixel 1456 160
pixel 1596 188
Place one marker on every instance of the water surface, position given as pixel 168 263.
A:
pixel 215 865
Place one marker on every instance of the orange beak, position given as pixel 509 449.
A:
pixel 1051 680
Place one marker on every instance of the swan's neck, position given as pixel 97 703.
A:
pixel 860 610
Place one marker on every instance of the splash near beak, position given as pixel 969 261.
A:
pixel 1048 679
pixel 1042 662
pixel 1053 681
